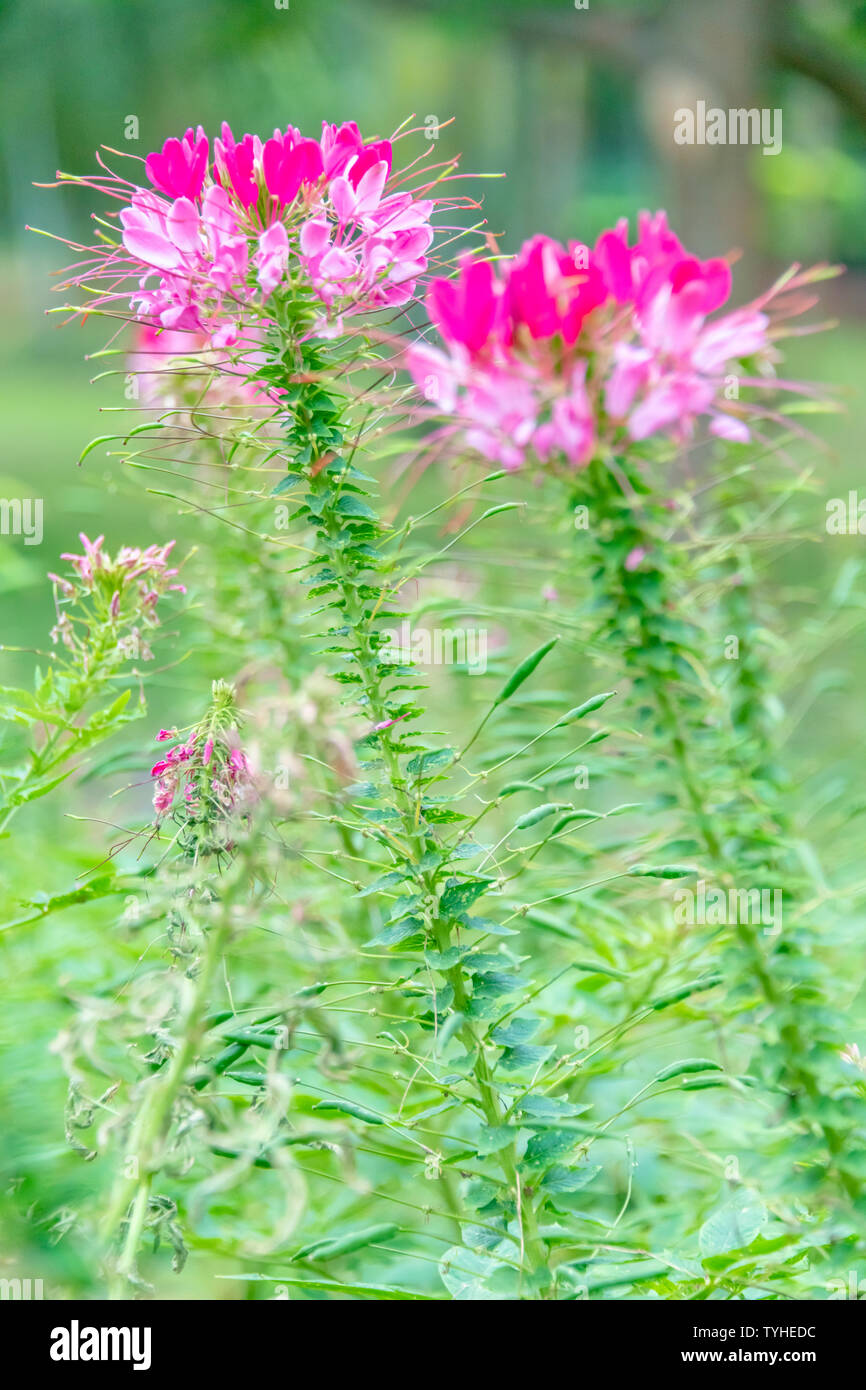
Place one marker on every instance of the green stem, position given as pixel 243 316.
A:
pixel 154 1118
pixel 673 717
pixel 359 630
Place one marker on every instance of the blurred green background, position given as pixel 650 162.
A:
pixel 575 107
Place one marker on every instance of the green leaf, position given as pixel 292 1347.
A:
pixel 733 1225
pixel 465 1274
pixel 106 885
pixel 524 1055
pixel 426 761
pixel 397 932
pixel 348 505
pixel 378 885
pixel 37 789
pixel 563 1180
pixel 542 1109
pixel 545 1148
pixel 493 1138
pixel 459 897
pixel 515 1032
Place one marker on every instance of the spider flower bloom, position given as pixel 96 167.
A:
pixel 207 773
pixel 118 595
pixel 568 351
pixel 212 246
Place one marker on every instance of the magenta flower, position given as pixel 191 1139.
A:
pixel 288 161
pixel 208 770
pixel 272 257
pixel 298 212
pixel 550 291
pixel 179 169
pixel 466 309
pixel 568 351
pixel 236 163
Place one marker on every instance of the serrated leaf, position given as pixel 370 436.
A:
pixel 733 1225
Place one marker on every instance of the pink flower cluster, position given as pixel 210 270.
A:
pixel 213 774
pixel 568 350
pixel 213 239
pixel 129 564
pixel 126 590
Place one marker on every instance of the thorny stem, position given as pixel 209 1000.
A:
pixel 359 631
pixel 672 721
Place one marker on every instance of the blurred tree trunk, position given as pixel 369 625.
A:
pixel 719 57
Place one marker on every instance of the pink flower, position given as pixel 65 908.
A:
pixel 289 161
pixel 675 401
pixel 164 794
pixel 184 767
pixel 571 428
pixel 369 157
pixel 631 372
pixel 561 350
pixel 180 168
pixel 272 257
pixel 465 310
pixel 635 558
pixel 295 209
pixel 388 723
pixel 551 290
pixel 124 596
pixel 339 145
pixel 236 163
pixel 502 412
pixel 352 201
pixel 730 427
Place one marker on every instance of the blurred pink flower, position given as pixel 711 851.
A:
pixel 563 350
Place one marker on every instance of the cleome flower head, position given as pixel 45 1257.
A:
pixel 205 775
pixel 114 597
pixel 566 351
pixel 216 236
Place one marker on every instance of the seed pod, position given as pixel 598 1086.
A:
pixel 538 814
pixel 524 671
pixel 684 1068
pixel 345 1245
pixel 587 707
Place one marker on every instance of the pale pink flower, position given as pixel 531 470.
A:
pixel 127 589
pixel 272 257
